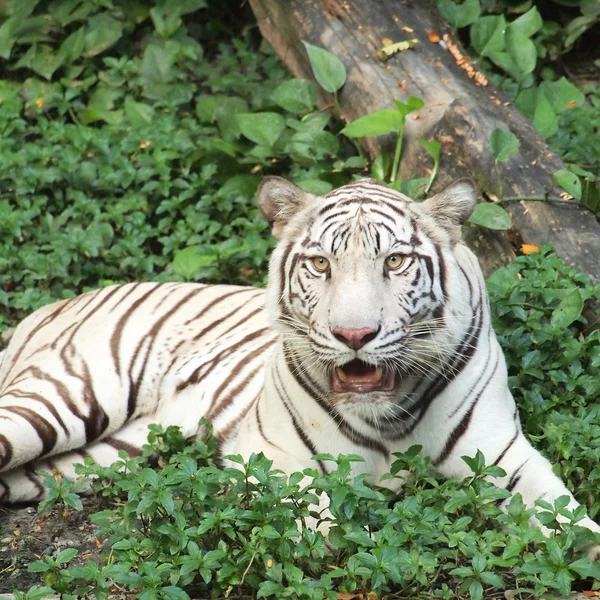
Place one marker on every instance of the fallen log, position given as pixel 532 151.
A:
pixel 461 110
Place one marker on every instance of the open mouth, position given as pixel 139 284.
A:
pixel 358 376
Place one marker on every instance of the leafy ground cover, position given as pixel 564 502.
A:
pixel 129 153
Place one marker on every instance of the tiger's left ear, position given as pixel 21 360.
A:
pixel 279 200
pixel 453 205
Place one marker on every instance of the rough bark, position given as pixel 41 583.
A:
pixel 458 113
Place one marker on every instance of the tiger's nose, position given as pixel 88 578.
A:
pixel 355 338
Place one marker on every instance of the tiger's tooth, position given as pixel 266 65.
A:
pixel 342 376
pixel 378 374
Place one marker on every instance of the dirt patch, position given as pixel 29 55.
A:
pixel 25 538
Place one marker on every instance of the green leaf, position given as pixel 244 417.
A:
pixel 329 71
pixel 568 310
pixel 102 32
pixel 72 48
pixel 413 103
pixel 562 94
pixel 544 118
pixel 487 34
pixel 505 62
pixel 315 186
pixel 460 15
pixel 504 144
pixel 569 182
pixel 491 216
pixel 296 96
pixel 521 49
pixel 433 148
pixel 493 579
pixel 269 588
pixel 476 591
pixel 528 23
pixel 138 114
pixel 156 66
pixel 65 556
pixel 38 567
pixel 380 122
pixel 187 261
pixel 261 128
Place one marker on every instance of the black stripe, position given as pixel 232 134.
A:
pixel 299 430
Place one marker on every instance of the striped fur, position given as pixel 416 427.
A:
pixel 86 375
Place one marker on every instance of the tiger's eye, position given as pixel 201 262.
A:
pixel 320 263
pixel 394 261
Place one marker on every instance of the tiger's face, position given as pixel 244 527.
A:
pixel 359 283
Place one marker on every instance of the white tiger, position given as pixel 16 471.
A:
pixel 376 336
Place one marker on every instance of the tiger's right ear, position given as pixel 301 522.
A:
pixel 279 200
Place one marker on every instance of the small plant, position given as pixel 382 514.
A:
pixel 61 492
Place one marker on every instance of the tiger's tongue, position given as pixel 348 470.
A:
pixel 357 376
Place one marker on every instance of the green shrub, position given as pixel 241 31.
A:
pixel 114 163
pixel 546 318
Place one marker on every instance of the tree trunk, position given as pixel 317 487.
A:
pixel 459 113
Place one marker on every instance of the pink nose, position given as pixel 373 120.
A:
pixel 354 338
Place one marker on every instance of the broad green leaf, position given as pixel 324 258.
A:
pixel 526 101
pixel 45 61
pixel 569 182
pixel 487 34
pixel 10 27
pixel 544 118
pixel 504 144
pixel 528 23
pixel 380 166
pixel 190 259
pixel 380 122
pixel 165 22
pixel 315 186
pixel 460 15
pixel 491 216
pixel 562 94
pixel 156 65
pixel 102 31
pixel 521 49
pixel 476 590
pixel 138 113
pixel 262 128
pixel 72 48
pixel 329 71
pixel 38 567
pixel 296 96
pixel 567 311
pixel 504 61
pixel 432 147
pixel 413 103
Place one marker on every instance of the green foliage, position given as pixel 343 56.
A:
pixel 191 529
pixel 546 318
pixel 519 46
pixel 143 164
pixel 61 491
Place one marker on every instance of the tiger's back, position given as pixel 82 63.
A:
pixel 77 371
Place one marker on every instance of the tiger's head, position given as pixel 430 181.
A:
pixel 365 285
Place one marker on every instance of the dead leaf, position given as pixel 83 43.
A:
pixel 529 249
pixel 390 49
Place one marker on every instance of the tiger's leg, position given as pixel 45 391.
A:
pixel 25 485
pixel 42 416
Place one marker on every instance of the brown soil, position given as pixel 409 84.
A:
pixel 26 538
